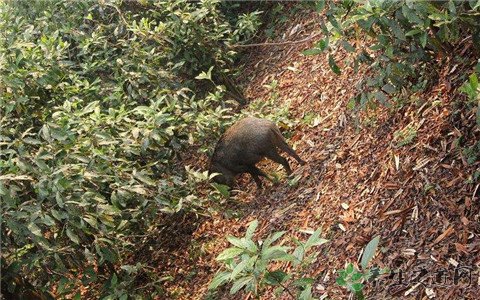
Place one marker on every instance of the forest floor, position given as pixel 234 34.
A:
pixel 358 182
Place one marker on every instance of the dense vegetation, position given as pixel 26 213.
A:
pixel 409 39
pixel 101 102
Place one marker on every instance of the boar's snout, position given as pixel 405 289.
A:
pixel 223 177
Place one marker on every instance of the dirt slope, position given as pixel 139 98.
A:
pixel 416 197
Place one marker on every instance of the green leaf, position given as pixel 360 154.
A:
pixel 319 47
pixel 473 81
pixel 114 280
pixel 369 251
pixel 47 220
pixel 223 189
pixel 334 22
pixel 303 281
pixel 413 32
pixel 333 65
pixel 275 277
pixel 240 267
pixel 320 5
pixel 397 30
pixel 357 287
pixel 423 39
pixel 219 280
pixel 275 252
pixel 347 46
pixel 349 269
pixel 306 294
pixel 322 44
pixel 389 89
pixel 229 253
pixel 315 240
pixel 144 178
pixel 72 236
pixel 240 243
pixel 91 220
pixel 312 51
pixel 298 253
pixel 34 229
pixel 271 239
pixel 341 281
pixel 251 229
pixel 380 96
pixel 351 103
pixel 240 283
pixel 356 276
pixel 207 75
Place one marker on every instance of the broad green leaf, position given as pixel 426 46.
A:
pixel 333 65
pixel 380 96
pixel 251 229
pixel 271 239
pixel 47 220
pixel 275 277
pixel 219 280
pixel 357 287
pixel 315 240
pixel 320 5
pixel 347 46
pixel 423 39
pixel 474 82
pixel 413 32
pixel 238 242
pixel 322 44
pixel 356 276
pixel 298 253
pixel 341 281
pixel 205 75
pixel 240 283
pixel 349 269
pixel 34 229
pixel 312 51
pixel 229 253
pixel 72 236
pixel 240 267
pixel 369 251
pixel 306 294
pixel 223 189
pixel 275 252
pixel 303 281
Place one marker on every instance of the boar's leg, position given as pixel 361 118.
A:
pixel 282 144
pixel 255 172
pixel 273 155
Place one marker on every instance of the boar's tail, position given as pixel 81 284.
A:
pixel 280 142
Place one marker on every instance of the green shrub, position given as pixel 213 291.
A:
pixel 247 264
pixel 407 38
pixel 99 103
pixel 354 279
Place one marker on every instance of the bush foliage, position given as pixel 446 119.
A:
pixel 408 41
pixel 98 101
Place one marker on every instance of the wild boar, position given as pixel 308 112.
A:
pixel 246 143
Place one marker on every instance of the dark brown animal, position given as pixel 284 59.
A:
pixel 246 143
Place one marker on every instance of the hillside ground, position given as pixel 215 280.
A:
pixel 359 182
